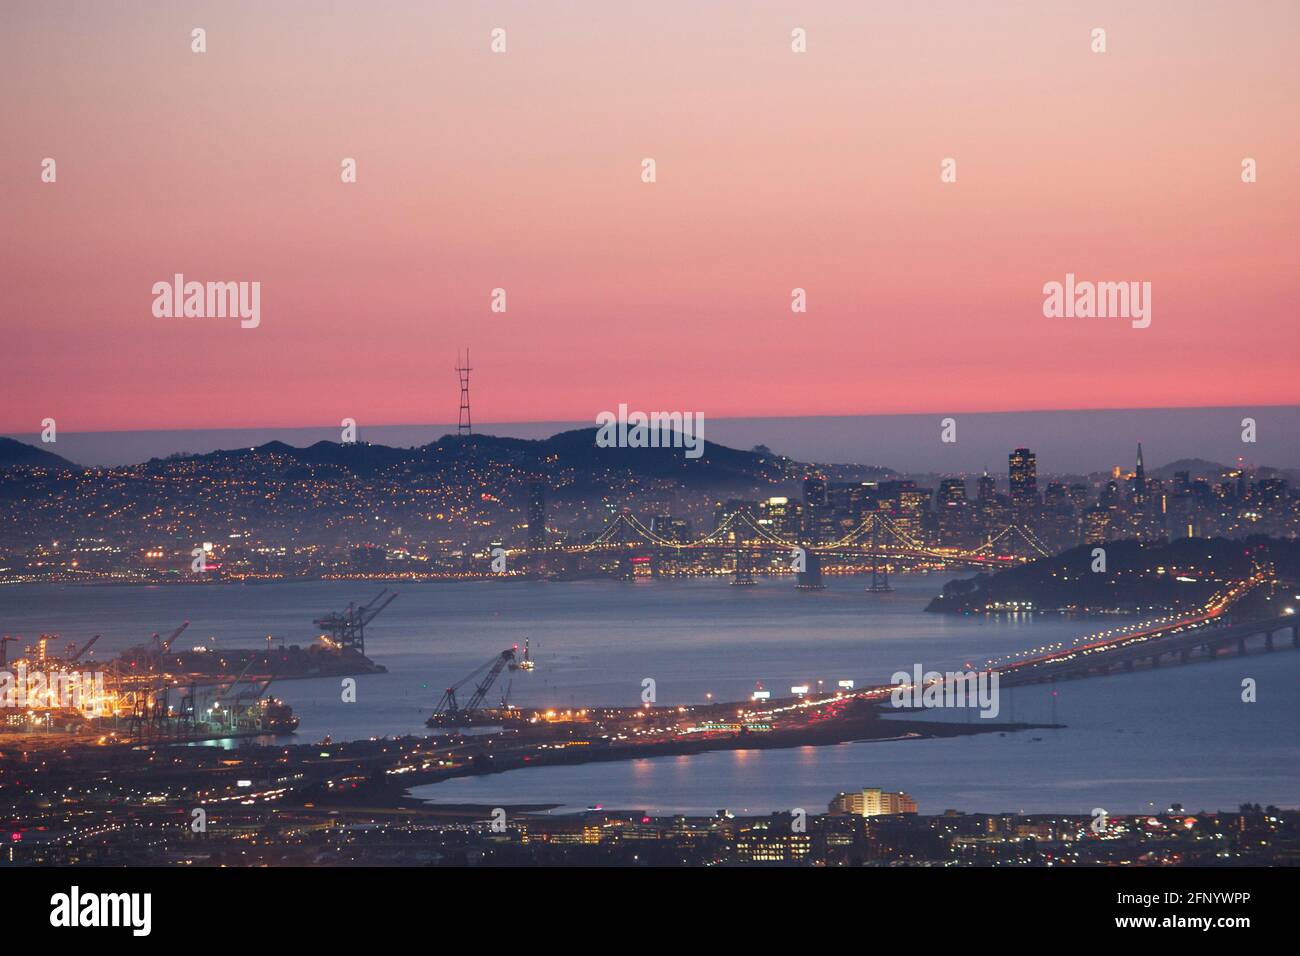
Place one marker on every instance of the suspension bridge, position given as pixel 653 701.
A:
pixel 878 538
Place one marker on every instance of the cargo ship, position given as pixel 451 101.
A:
pixel 277 716
pixel 339 651
pixel 281 663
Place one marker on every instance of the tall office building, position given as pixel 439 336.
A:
pixel 781 516
pixel 817 517
pixel 954 520
pixel 1023 468
pixel 814 490
pixel 988 487
pixel 952 491
pixel 1140 478
pixel 1097 523
pixel 1078 495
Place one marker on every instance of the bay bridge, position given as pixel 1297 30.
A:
pixel 878 540
pixel 1202 633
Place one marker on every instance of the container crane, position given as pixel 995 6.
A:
pixel 150 654
pixel 347 630
pixel 449 713
pixel 526 663
pixel 74 656
pixel 166 645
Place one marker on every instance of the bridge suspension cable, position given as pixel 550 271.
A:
pixel 746 529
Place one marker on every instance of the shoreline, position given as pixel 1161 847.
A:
pixel 854 730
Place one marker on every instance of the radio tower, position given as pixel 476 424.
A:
pixel 463 424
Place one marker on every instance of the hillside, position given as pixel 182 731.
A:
pixel 16 453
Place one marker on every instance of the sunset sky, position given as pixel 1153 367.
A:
pixel 775 170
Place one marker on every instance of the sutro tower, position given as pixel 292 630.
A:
pixel 463 424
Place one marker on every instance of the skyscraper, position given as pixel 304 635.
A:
pixel 816 509
pixel 952 491
pixel 814 490
pixel 1140 478
pixel 1023 468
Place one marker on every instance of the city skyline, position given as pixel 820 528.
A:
pixel 504 435
pixel 559 506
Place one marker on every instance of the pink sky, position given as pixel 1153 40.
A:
pixel 522 171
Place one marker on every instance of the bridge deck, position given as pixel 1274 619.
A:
pixel 1126 652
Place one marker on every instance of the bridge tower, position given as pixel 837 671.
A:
pixel 879 573
pixel 810 579
pixel 744 574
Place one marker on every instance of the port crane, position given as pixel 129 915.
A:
pixel 234 708
pixel 251 706
pixel 449 712
pixel 151 704
pixel 75 655
pixel 166 645
pixel 224 688
pixel 151 654
pixel 526 663
pixel 348 629
pixel 226 698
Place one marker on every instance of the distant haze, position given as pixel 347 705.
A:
pixel 1065 441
